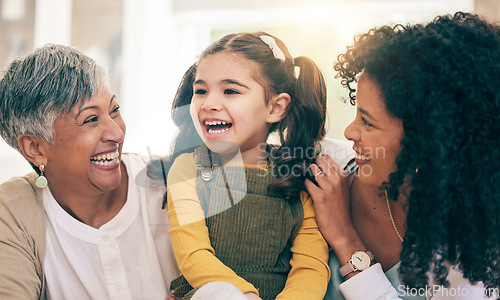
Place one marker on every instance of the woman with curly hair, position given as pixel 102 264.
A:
pixel 422 216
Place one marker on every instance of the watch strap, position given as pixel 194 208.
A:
pixel 349 267
pixel 346 269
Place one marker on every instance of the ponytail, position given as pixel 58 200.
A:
pixel 301 128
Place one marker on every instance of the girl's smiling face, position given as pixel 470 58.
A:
pixel 229 108
pixel 375 132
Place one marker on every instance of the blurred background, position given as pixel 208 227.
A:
pixel 146 45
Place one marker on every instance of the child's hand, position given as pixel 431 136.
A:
pixel 171 296
pixel 252 296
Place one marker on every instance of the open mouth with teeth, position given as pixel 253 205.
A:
pixel 361 157
pixel 106 159
pixel 217 127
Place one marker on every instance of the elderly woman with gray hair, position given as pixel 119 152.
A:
pixel 80 226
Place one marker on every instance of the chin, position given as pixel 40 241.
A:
pixel 111 183
pixel 223 147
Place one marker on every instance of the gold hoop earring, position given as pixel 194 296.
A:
pixel 41 181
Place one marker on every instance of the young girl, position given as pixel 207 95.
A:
pixel 238 208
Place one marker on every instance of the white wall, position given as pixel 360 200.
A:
pixel 52 24
pixel 159 44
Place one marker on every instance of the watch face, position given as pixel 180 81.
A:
pixel 360 260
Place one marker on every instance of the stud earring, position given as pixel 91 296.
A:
pixel 41 181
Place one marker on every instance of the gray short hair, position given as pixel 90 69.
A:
pixel 38 88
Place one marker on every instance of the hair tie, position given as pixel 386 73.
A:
pixel 272 44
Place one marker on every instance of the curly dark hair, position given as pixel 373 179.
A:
pixel 442 80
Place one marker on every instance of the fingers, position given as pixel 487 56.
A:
pixel 319 190
pixel 312 188
pixel 318 174
pixel 316 171
pixel 329 166
pixel 325 170
pixel 329 178
pixel 328 174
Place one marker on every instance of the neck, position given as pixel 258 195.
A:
pixel 377 195
pixel 93 208
pixel 254 156
pixel 371 219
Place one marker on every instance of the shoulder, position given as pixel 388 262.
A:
pixel 340 151
pixel 22 238
pixel 19 191
pixel 457 281
pixel 183 168
pixel 21 205
pixel 183 160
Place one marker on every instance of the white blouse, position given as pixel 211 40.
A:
pixel 130 257
pixel 373 284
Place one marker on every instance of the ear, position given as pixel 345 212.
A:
pixel 277 107
pixel 33 148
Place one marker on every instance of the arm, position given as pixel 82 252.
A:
pixel 332 207
pixel 189 234
pixel 331 203
pixel 21 275
pixel 369 284
pixel 309 276
pixel 373 284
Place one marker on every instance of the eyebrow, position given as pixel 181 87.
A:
pixel 93 106
pixel 231 81
pixel 227 81
pixel 364 112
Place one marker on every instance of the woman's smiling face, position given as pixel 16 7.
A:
pixel 86 149
pixel 375 132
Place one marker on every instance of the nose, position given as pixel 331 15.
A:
pixel 211 103
pixel 114 130
pixel 352 132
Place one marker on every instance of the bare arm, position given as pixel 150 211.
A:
pixel 332 207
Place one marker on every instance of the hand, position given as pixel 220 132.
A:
pixel 171 296
pixel 331 201
pixel 252 296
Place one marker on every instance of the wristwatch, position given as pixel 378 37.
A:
pixel 360 260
